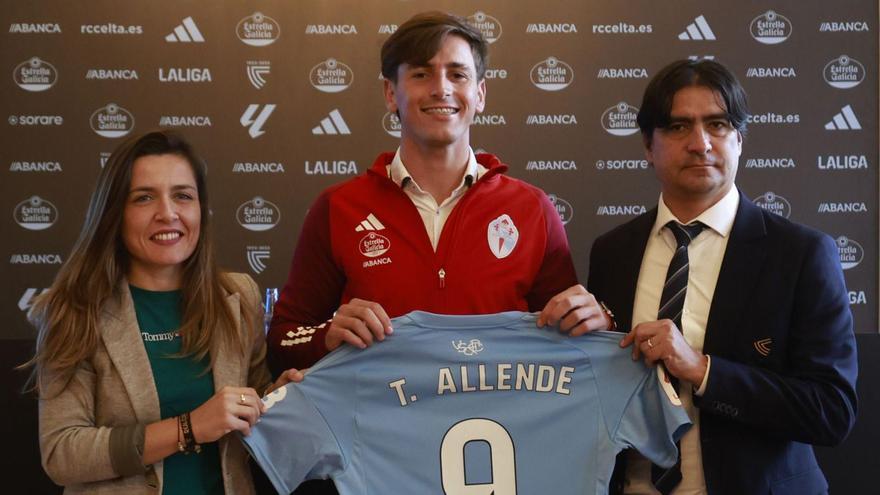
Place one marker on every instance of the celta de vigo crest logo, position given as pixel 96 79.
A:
pixel 851 252
pixel 258 30
pixel 112 121
pixel 35 75
pixel 471 348
pixel 844 72
pixel 35 213
pixel 331 76
pixel 502 235
pixel 258 215
pixel 774 203
pixel 551 74
pixel 770 28
pixel 620 120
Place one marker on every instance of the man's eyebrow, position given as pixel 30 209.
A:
pixel 713 116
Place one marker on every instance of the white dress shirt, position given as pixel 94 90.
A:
pixel 433 215
pixel 705 254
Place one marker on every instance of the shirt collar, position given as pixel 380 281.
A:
pixel 718 217
pixel 398 173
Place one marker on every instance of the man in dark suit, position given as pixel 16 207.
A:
pixel 753 317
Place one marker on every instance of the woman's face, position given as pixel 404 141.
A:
pixel 161 222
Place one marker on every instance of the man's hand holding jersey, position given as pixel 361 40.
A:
pixel 358 323
pixel 576 312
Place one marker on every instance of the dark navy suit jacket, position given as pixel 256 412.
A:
pixel 783 352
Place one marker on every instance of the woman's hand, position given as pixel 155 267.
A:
pixel 232 408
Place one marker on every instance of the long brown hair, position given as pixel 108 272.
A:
pixel 68 314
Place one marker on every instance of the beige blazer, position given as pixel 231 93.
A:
pixel 115 387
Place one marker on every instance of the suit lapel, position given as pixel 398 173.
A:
pixel 632 250
pixel 740 271
pixel 122 339
pixel 227 363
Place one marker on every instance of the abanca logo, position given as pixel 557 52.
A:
pixel 35 75
pixel 258 30
pixel 112 121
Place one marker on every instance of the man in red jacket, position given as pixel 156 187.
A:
pixel 430 227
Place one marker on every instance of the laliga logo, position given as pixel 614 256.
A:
pixel 844 72
pixel 258 30
pixel 851 252
pixel 487 25
pixel 551 74
pixel 391 124
pixel 563 208
pixel 258 215
pixel 770 28
pixel 35 75
pixel 774 204
pixel 112 121
pixel 331 76
pixel 35 213
pixel 373 244
pixel 620 120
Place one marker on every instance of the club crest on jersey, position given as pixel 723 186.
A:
pixel 663 378
pixel 471 348
pixel 373 245
pixel 502 235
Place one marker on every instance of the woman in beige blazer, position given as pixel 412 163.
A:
pixel 100 378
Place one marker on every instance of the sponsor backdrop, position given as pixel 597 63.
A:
pixel 284 99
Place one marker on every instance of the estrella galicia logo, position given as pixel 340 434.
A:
pixel 774 203
pixel 331 76
pixel 35 75
pixel 620 120
pixel 391 124
pixel 487 25
pixel 471 348
pixel 112 121
pixel 770 28
pixel 258 30
pixel 844 72
pixel 551 74
pixel 258 215
pixel 35 213
pixel 373 244
pixel 851 252
pixel 563 208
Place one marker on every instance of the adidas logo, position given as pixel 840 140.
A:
pixel 187 32
pixel 697 30
pixel 333 124
pixel 371 223
pixel 846 120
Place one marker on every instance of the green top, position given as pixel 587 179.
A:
pixel 182 384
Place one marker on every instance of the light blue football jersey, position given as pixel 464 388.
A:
pixel 468 405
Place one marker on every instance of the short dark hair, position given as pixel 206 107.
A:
pixel 657 101
pixel 418 39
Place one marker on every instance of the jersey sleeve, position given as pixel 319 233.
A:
pixel 639 406
pixel 653 420
pixel 292 442
pixel 310 296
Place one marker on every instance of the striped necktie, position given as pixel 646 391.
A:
pixel 671 305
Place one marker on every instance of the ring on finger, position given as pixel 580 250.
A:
pixel 242 399
pixel 650 344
